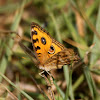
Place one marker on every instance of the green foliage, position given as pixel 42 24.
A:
pixel 61 19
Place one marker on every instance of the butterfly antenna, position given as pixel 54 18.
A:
pixel 7 31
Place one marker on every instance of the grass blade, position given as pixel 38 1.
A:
pixel 26 95
pixel 91 84
pixel 94 56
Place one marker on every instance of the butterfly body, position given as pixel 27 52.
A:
pixel 50 53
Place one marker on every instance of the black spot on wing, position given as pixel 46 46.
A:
pixel 38 53
pixel 35 40
pixel 37 48
pixel 34 32
pixel 43 40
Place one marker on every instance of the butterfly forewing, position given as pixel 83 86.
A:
pixel 40 44
pixel 43 44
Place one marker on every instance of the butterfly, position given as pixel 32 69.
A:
pixel 50 53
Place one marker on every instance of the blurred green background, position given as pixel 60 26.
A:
pixel 74 23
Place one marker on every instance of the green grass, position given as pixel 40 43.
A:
pixel 61 19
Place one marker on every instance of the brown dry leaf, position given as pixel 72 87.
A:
pixel 10 97
pixel 79 23
pixel 27 87
pixel 17 39
pixel 75 44
pixel 6 19
pixel 2 90
pixel 97 67
pixel 96 78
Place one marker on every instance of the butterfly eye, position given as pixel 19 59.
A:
pixel 43 40
pixel 51 50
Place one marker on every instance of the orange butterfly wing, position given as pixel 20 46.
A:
pixel 43 43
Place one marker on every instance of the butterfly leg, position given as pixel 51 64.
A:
pixel 42 73
pixel 49 73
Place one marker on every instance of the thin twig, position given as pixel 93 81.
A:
pixel 13 96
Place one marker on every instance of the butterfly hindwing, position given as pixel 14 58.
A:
pixel 65 57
